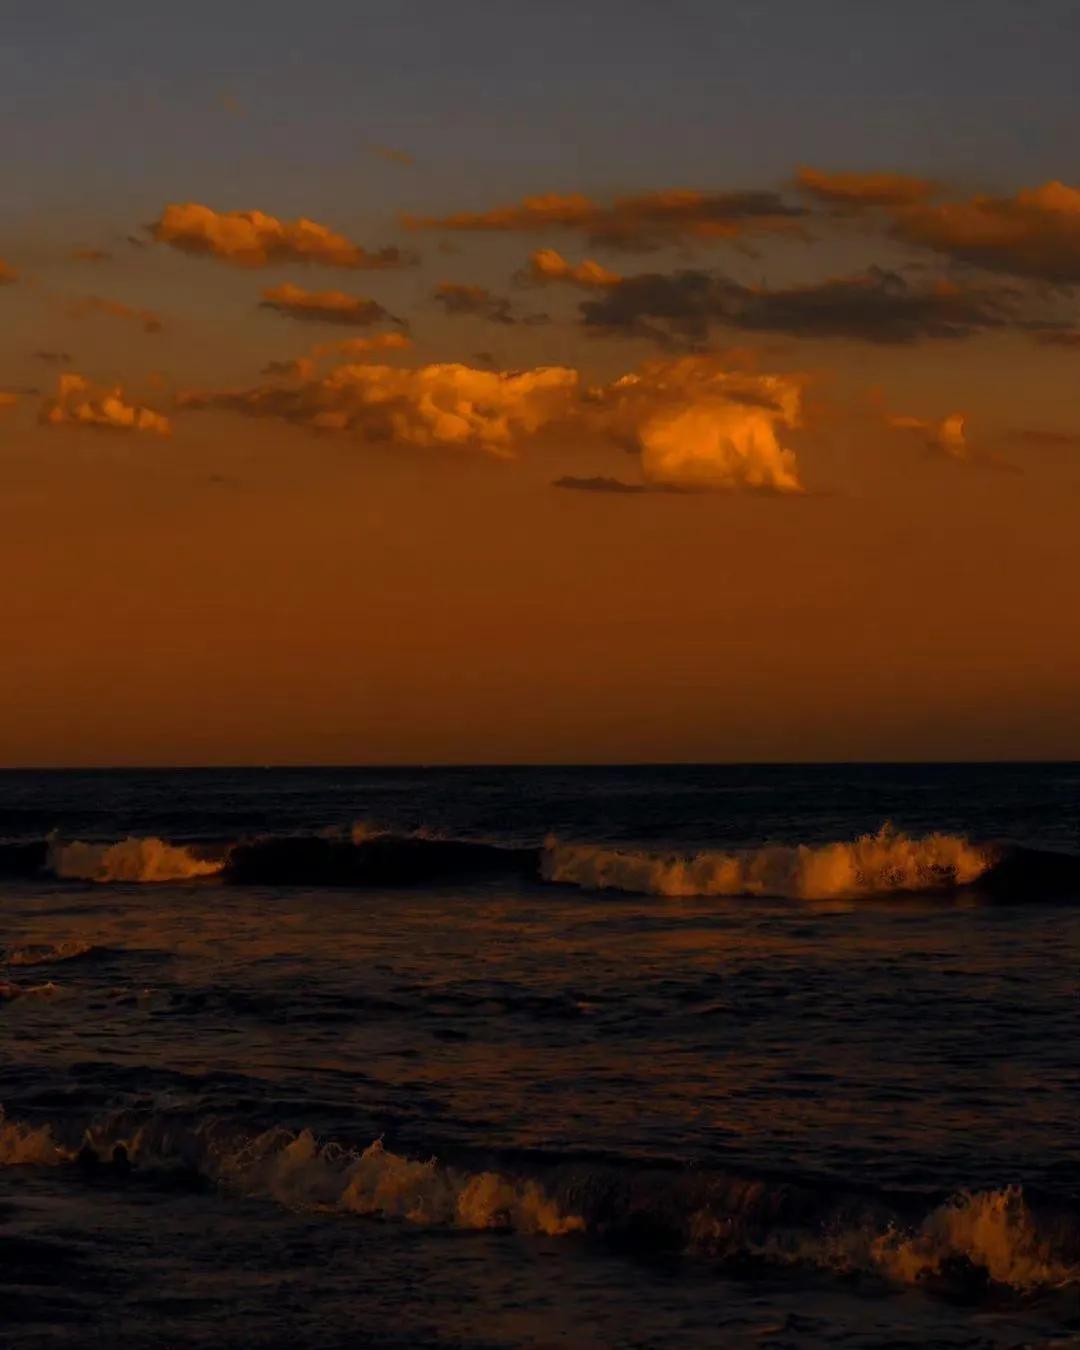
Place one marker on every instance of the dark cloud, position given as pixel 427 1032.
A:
pixel 599 484
pixel 679 309
pixel 482 304
pixel 1059 337
pixel 54 358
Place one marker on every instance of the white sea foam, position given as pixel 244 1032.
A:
pixel 132 859
pixel 874 864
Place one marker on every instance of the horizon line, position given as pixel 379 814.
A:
pixel 387 765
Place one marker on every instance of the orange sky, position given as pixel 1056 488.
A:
pixel 228 538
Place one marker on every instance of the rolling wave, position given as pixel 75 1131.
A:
pixel 132 859
pixel 977 1240
pixel 46 953
pixel 873 865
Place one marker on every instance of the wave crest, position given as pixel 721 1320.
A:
pixel 46 953
pixel 873 864
pixel 132 859
pixel 973 1240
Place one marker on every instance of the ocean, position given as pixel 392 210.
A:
pixel 678 1056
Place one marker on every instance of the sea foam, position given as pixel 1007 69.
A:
pixel 874 864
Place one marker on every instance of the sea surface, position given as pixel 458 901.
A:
pixel 581 1057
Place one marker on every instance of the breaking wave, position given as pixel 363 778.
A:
pixel 874 864
pixel 882 864
pixel 975 1240
pixel 46 953
pixel 132 859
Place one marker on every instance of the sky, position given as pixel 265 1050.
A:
pixel 490 382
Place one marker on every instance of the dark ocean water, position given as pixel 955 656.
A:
pixel 762 1056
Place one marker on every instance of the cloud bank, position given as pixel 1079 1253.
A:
pixel 446 405
pixel 874 306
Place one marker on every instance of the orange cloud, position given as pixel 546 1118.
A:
pixel 7 274
pixel 640 222
pixel 8 400
pixel 947 435
pixel 363 346
pixel 301 368
pixel 394 156
pixel 545 264
pixel 254 239
pixel 698 426
pixel 864 189
pixel 96 304
pixel 1034 234
pixel 323 306
pixel 78 402
pixel 447 405
pixel 695 424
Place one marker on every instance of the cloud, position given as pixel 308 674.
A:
pixel 874 306
pixel 1059 337
pixel 694 424
pixel 301 368
pixel 54 358
pixel 364 346
pixel 947 435
pixel 645 221
pixel 254 239
pixel 90 255
pixel 357 348
pixel 1035 234
pixel 7 274
pixel 481 303
pixel 474 300
pixel 446 405
pixel 7 399
pixel 78 402
pixel 598 484
pixel 854 190
pixel 392 155
pixel 546 265
pixel 700 427
pixel 324 306
pixel 96 304
pixel 1045 438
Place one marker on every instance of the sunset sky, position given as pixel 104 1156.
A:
pixel 388 382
